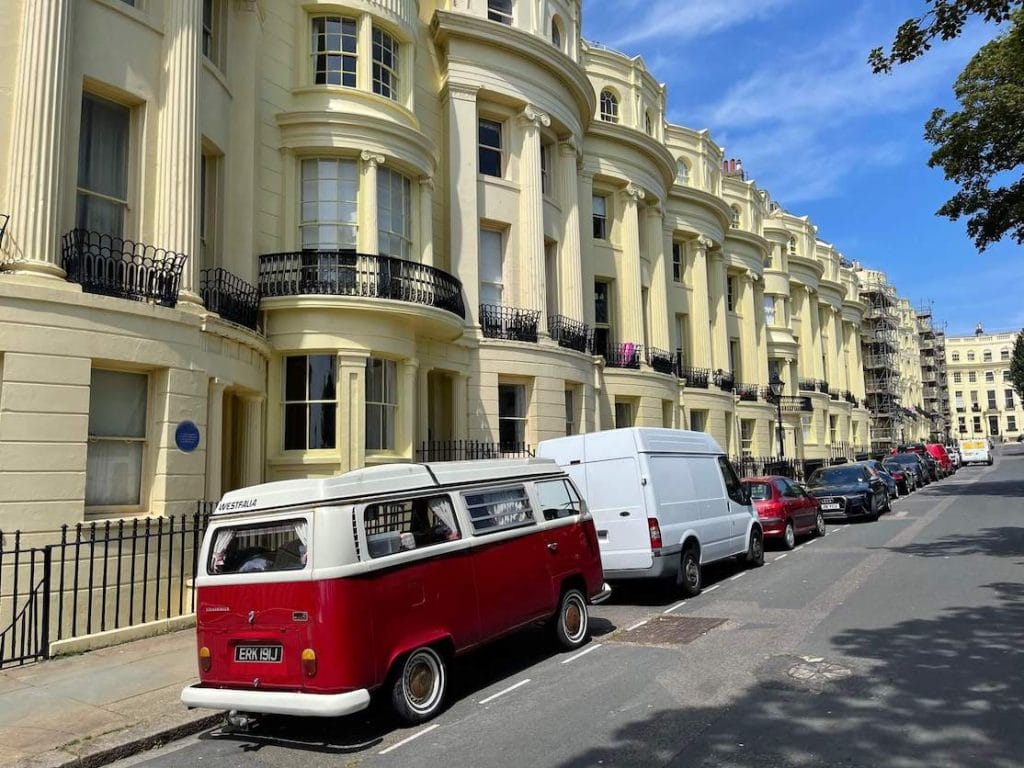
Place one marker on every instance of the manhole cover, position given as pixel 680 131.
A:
pixel 804 673
pixel 818 671
pixel 667 630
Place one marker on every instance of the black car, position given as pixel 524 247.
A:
pixel 913 463
pixel 882 472
pixel 849 491
pixel 905 476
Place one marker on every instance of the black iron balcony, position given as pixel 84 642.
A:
pixel 660 360
pixel 471 450
pixel 509 323
pixel 850 398
pixel 724 380
pixel 796 403
pixel 230 296
pixel 624 355
pixel 834 395
pixel 748 393
pixel 569 333
pixel 807 385
pixel 113 266
pixel 347 273
pixel 823 386
pixel 694 377
pixel 976 407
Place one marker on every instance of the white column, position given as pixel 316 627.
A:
pixel 177 193
pixel 408 400
pixel 462 190
pixel 748 330
pixel 351 428
pixel 815 314
pixel 700 307
pixel 252 440
pixel 460 408
pixel 38 115
pixel 719 327
pixel 422 407
pixel 214 438
pixel 659 279
pixel 570 258
pixel 427 221
pixel 585 186
pixel 630 309
pixel 368 240
pixel 760 334
pixel 531 215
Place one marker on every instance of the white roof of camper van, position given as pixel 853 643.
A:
pixel 630 440
pixel 381 480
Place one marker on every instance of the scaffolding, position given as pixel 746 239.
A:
pixel 880 347
pixel 935 387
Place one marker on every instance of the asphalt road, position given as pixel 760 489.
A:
pixel 897 643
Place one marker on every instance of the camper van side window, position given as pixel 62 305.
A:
pixel 280 545
pixel 733 486
pixel 400 526
pixel 493 511
pixel 557 499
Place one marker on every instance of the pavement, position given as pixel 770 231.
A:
pixel 100 706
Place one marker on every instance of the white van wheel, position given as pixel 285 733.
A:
pixel 572 622
pixel 417 692
pixel 755 550
pixel 690 579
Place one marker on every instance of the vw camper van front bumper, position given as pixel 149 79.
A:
pixel 276 702
pixel 604 594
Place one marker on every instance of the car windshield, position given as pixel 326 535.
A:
pixel 836 476
pixel 893 466
pixel 904 458
pixel 758 491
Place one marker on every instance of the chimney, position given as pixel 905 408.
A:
pixel 979 330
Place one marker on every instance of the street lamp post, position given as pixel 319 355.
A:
pixel 776 385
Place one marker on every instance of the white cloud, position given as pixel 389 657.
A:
pixel 683 20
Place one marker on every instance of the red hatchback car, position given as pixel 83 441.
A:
pixel 784 508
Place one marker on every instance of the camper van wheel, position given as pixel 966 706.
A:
pixel 755 550
pixel 572 622
pixel 417 692
pixel 689 578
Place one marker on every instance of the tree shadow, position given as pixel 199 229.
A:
pixel 1004 541
pixel 943 691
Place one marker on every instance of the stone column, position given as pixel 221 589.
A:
pixel 531 215
pixel 214 438
pixel 748 330
pixel 422 406
pixel 175 220
pixel 368 226
pixel 460 408
pixel 405 436
pixel 351 427
pixel 630 310
pixel 760 334
pixel 585 184
pixel 38 114
pixel 251 417
pixel 659 278
pixel 719 326
pixel 570 257
pixel 427 221
pixel 815 314
pixel 805 357
pixel 462 191
pixel 700 307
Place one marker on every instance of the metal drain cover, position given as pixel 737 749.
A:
pixel 667 630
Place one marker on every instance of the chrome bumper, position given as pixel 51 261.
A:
pixel 276 702
pixel 604 594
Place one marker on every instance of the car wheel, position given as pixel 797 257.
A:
pixel 690 578
pixel 755 549
pixel 873 508
pixel 819 525
pixel 572 621
pixel 418 690
pixel 888 504
pixel 789 535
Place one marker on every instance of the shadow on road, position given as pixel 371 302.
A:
pixel 1004 541
pixel 947 691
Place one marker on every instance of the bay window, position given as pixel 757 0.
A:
pixel 394 214
pixel 334 51
pixel 328 217
pixel 385 64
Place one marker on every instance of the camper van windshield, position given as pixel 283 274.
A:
pixel 279 545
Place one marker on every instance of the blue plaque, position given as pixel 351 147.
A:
pixel 186 436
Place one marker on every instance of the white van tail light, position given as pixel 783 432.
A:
pixel 309 662
pixel 655 530
pixel 205 660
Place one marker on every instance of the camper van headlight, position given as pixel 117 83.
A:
pixel 205 659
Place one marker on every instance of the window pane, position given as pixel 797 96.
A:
pixel 295 378
pixel 113 473
pixel 103 147
pixel 321 377
pixel 495 510
pixel 511 399
pixel 276 546
pixel 556 501
pixel 490 256
pixel 117 404
pixel 321 425
pixel 295 427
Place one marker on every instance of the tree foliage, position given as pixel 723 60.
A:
pixel 944 20
pixel 981 146
pixel 1017 365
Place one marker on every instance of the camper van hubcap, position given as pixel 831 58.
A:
pixel 572 620
pixel 423 680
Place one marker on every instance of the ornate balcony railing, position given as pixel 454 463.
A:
pixel 694 377
pixel 508 323
pixel 569 333
pixel 850 397
pixel 834 395
pixel 4 218
pixel 113 266
pixel 623 355
pixel 347 273
pixel 660 360
pixel 807 385
pixel 796 403
pixel 468 450
pixel 724 380
pixel 823 386
pixel 230 296
pixel 748 393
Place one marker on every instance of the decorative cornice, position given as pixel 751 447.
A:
pixel 533 116
pixel 372 159
pixel 634 192
pixel 705 243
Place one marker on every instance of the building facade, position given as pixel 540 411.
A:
pixel 982 399
pixel 338 234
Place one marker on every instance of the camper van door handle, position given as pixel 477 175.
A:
pixel 553 546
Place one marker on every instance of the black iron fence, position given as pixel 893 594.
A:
pixel 470 450
pixel 230 296
pixel 621 355
pixel 509 323
pixel 660 360
pixel 724 381
pixel 748 393
pixel 113 266
pixel 99 577
pixel 694 377
pixel 570 333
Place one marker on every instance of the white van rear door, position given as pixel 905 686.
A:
pixel 616 501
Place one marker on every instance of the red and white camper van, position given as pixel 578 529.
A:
pixel 311 594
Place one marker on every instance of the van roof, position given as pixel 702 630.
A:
pixel 629 440
pixel 381 480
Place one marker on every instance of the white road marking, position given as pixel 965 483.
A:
pixel 637 625
pixel 511 688
pixel 593 647
pixel 677 605
pixel 416 735
pixel 784 554
pixel 902 513
pixel 712 589
pixel 808 542
pixel 738 575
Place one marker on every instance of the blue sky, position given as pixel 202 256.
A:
pixel 784 86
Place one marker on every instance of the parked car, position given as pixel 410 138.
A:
pixel 936 468
pixel 890 483
pixel 666 502
pixel 915 464
pixel 954 456
pixel 849 491
pixel 905 477
pixel 975 451
pixel 784 508
pixel 1020 438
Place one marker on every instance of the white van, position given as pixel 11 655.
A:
pixel 665 502
pixel 975 451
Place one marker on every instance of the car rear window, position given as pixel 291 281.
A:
pixel 279 545
pixel 836 475
pixel 759 491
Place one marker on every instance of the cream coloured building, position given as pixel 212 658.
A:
pixel 982 399
pixel 339 234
